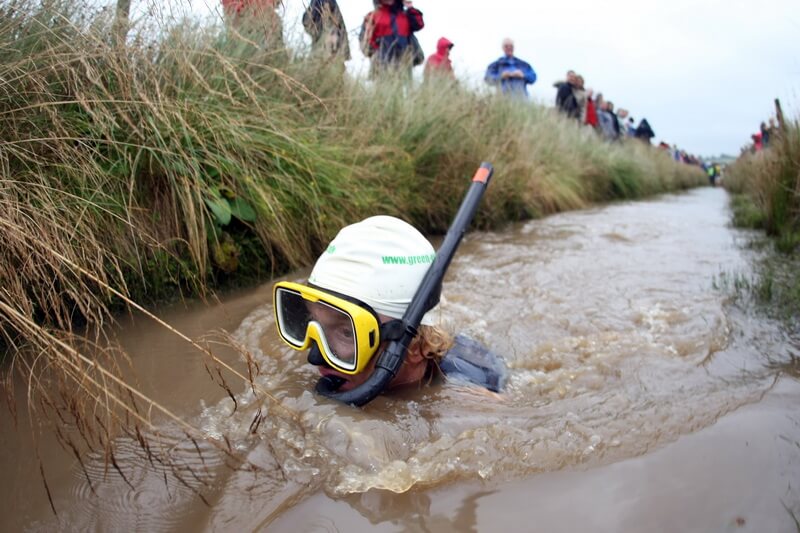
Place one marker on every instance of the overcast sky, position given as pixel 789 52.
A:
pixel 704 73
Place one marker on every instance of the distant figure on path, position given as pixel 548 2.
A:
pixel 439 64
pixel 511 73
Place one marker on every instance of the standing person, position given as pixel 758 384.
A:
pixel 511 73
pixel 590 117
pixel 606 121
pixel 630 128
pixel 757 144
pixel 566 102
pixel 644 131
pixel 622 122
pixel 323 21
pixel 580 97
pixel 257 15
pixel 614 120
pixel 439 64
pixel 387 35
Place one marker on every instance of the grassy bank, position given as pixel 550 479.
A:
pixel 766 187
pixel 197 156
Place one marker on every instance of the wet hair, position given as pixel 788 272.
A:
pixel 433 342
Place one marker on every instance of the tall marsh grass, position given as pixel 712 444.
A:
pixel 770 179
pixel 195 154
pixel 767 188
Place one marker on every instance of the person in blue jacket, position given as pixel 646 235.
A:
pixel 511 73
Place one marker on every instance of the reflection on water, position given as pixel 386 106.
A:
pixel 617 344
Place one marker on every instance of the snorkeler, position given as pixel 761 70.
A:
pixel 365 318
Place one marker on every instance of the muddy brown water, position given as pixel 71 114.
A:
pixel 641 398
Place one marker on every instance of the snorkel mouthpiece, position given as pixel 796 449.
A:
pixel 391 359
pixel 329 384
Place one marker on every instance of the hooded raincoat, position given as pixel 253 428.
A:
pixel 439 64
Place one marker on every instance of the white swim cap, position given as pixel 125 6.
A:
pixel 380 261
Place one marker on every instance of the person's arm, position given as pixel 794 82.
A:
pixel 493 73
pixel 366 36
pixel 415 22
pixel 312 20
pixel 529 75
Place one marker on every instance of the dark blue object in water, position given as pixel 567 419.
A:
pixel 470 361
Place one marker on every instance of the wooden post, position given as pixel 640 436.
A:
pixel 121 22
pixel 779 114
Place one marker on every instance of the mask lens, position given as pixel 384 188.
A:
pixel 338 332
pixel 293 316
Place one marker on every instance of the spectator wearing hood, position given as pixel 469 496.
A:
pixel 387 33
pixel 511 73
pixel 644 131
pixel 439 64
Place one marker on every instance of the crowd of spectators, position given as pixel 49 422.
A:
pixel 387 37
pixel 579 103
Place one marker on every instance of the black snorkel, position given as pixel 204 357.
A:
pixel 426 297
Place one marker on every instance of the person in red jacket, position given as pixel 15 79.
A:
pixel 241 7
pixel 256 15
pixel 386 35
pixel 590 117
pixel 439 64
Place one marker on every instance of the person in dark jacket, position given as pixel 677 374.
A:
pixel 387 34
pixel 614 121
pixel 511 73
pixel 644 131
pixel 566 102
pixel 439 64
pixel 323 21
pixel 765 134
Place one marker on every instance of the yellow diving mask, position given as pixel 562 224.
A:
pixel 348 332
